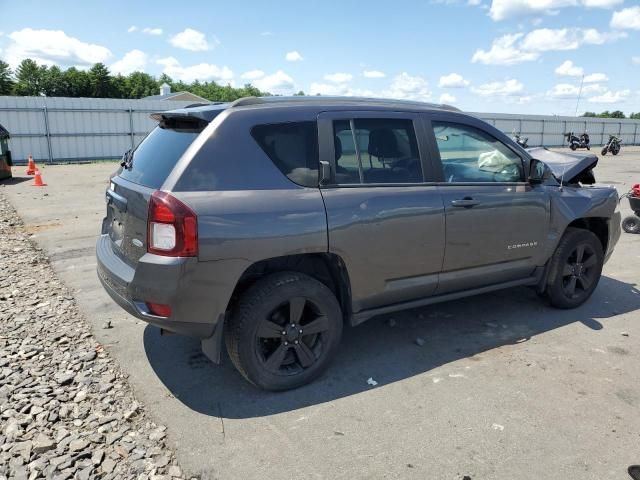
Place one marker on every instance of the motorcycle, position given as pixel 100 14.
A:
pixel 578 142
pixel 613 145
pixel 519 140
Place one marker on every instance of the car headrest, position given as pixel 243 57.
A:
pixel 383 144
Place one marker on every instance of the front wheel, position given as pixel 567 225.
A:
pixel 588 147
pixel 575 268
pixel 604 151
pixel 284 331
pixel 631 224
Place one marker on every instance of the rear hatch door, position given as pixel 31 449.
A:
pixel 143 171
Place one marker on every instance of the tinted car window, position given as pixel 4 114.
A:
pixel 471 155
pixel 293 148
pixel 156 156
pixel 376 150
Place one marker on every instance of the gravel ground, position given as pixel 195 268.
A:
pixel 66 409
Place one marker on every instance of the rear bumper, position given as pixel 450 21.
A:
pixel 164 280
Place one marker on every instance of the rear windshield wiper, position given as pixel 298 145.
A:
pixel 127 159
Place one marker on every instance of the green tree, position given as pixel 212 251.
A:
pixel 77 83
pixel 6 79
pixel 299 94
pixel 140 84
pixel 617 114
pixel 29 78
pixel 52 83
pixel 589 114
pixel 635 116
pixel 101 84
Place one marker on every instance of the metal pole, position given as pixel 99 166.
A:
pixel 47 132
pixel 131 128
pixel 579 95
pixel 635 135
pixel 542 135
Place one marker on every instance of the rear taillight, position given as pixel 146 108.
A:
pixel 172 227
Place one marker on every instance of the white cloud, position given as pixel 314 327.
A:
pixel 190 39
pixel 453 80
pixel 610 97
pixel 373 74
pixel 330 89
pixel 511 87
pixel 201 71
pixel 567 90
pixel 293 56
pixel 152 31
pixel 568 69
pixel 517 48
pixel 338 77
pixel 627 18
pixel 132 28
pixel 266 34
pixel 447 98
pixel 252 75
pixel 278 83
pixel 474 3
pixel 133 61
pixel 51 47
pixel 504 52
pixel 503 9
pixel 405 86
pixel 636 60
pixel 596 77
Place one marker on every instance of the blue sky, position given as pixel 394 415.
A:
pixel 525 56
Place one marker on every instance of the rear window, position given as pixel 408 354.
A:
pixel 293 148
pixel 156 156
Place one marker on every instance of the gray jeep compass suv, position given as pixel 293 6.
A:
pixel 269 223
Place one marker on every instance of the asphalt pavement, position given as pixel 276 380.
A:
pixel 503 386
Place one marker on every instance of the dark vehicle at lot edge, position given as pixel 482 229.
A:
pixel 269 223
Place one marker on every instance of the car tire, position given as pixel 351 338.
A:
pixel 284 331
pixel 575 268
pixel 631 224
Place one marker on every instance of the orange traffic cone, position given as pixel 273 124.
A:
pixel 31 167
pixel 37 180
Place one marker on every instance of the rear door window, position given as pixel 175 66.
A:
pixel 157 154
pixel 376 150
pixel 293 148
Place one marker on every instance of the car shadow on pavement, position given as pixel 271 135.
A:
pixel 14 180
pixel 451 331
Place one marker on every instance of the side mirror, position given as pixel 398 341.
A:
pixel 537 172
pixel 125 158
pixel 325 172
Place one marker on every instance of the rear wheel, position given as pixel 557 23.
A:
pixel 616 150
pixel 575 268
pixel 631 224
pixel 284 331
pixel 572 146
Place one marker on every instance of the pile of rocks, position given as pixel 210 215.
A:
pixel 66 410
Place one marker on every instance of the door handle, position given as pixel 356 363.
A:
pixel 465 202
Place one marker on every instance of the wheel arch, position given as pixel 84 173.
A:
pixel 327 268
pixel 599 226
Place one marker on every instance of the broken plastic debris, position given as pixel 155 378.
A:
pixel 497 426
pixel 625 334
pixel 372 382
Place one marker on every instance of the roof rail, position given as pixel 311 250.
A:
pixel 245 101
